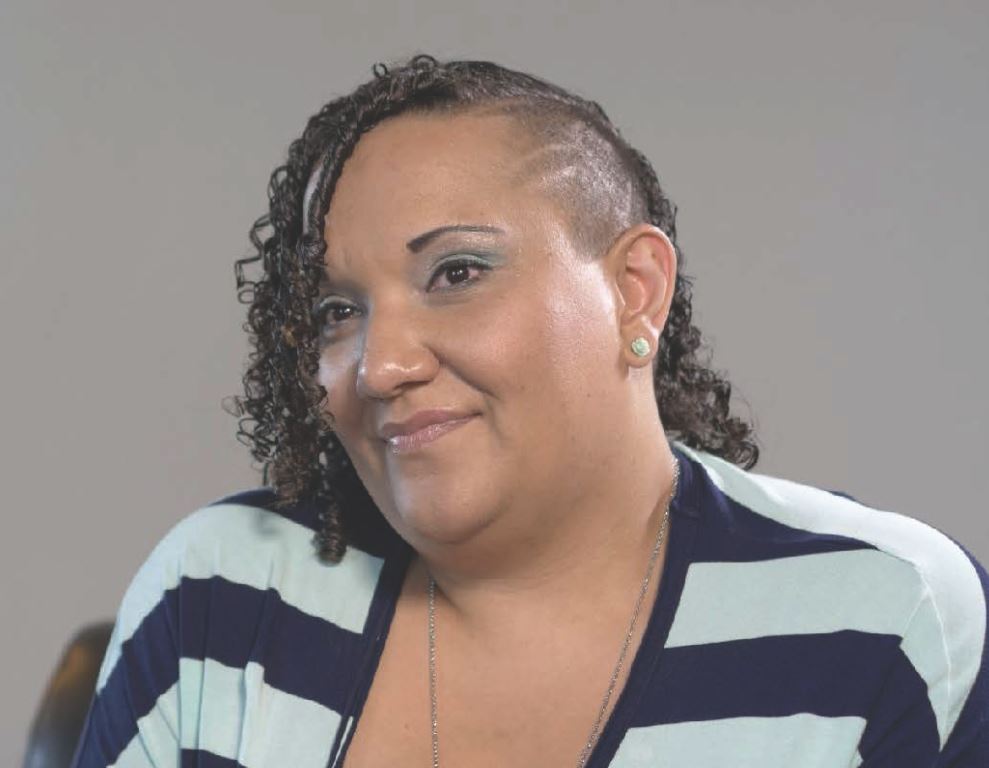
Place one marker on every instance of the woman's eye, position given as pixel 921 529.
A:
pixel 333 312
pixel 458 272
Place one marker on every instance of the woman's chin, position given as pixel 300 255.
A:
pixel 442 526
pixel 444 508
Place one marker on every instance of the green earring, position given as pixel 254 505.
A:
pixel 640 346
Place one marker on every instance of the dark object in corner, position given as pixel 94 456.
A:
pixel 66 700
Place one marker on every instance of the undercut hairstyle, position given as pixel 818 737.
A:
pixel 604 186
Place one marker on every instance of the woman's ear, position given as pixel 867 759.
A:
pixel 643 262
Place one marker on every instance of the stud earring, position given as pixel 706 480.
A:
pixel 640 346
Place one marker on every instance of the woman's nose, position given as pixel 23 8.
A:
pixel 395 353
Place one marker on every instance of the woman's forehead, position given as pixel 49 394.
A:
pixel 428 152
pixel 434 169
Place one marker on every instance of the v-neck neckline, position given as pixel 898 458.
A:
pixel 684 519
pixel 685 514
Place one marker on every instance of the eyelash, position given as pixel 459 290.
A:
pixel 325 307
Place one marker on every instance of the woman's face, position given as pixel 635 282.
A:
pixel 453 282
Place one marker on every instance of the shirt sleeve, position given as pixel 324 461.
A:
pixel 133 718
pixel 933 710
pixel 968 742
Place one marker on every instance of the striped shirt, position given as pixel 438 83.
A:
pixel 793 627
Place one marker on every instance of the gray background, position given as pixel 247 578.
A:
pixel 828 160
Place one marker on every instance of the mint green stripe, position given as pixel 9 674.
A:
pixel 235 714
pixel 863 590
pixel 808 741
pixel 957 602
pixel 256 548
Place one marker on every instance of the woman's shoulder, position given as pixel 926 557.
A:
pixel 833 564
pixel 242 554
pixel 251 540
pixel 232 587
pixel 776 517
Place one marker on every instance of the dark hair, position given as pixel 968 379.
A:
pixel 281 417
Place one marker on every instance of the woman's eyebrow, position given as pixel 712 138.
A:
pixel 419 242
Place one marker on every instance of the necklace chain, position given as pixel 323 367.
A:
pixel 585 753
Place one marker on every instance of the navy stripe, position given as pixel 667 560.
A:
pixel 687 499
pixel 734 533
pixel 98 746
pixel 831 674
pixel 902 727
pixel 304 512
pixel 201 758
pixel 301 654
pixel 147 667
pixel 379 620
pixel 261 498
pixel 233 624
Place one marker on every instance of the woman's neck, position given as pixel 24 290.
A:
pixel 591 549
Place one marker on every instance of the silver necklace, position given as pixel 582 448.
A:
pixel 585 753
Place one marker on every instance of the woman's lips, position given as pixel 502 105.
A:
pixel 421 437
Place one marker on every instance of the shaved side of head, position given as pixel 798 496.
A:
pixel 592 179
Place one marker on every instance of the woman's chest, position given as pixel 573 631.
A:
pixel 487 731
pixel 519 706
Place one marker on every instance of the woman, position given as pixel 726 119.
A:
pixel 476 385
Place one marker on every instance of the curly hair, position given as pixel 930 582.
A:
pixel 281 412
